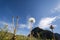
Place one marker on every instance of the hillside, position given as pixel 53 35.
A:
pixel 9 36
pixel 37 34
pixel 44 34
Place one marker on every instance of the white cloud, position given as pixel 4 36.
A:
pixel 3 23
pixel 28 25
pixel 10 28
pixel 45 22
pixel 22 25
pixel 56 9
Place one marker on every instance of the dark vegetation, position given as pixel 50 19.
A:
pixel 37 34
pixel 44 34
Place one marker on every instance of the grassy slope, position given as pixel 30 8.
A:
pixel 8 36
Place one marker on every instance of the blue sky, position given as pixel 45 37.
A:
pixel 45 12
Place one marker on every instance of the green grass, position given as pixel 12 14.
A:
pixel 8 36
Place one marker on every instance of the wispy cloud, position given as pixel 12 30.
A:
pixel 45 22
pixel 28 24
pixel 56 9
pixel 25 26
pixel 2 25
pixel 11 28
pixel 22 25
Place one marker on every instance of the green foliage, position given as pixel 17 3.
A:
pixel 41 34
pixel 5 35
pixel 37 34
